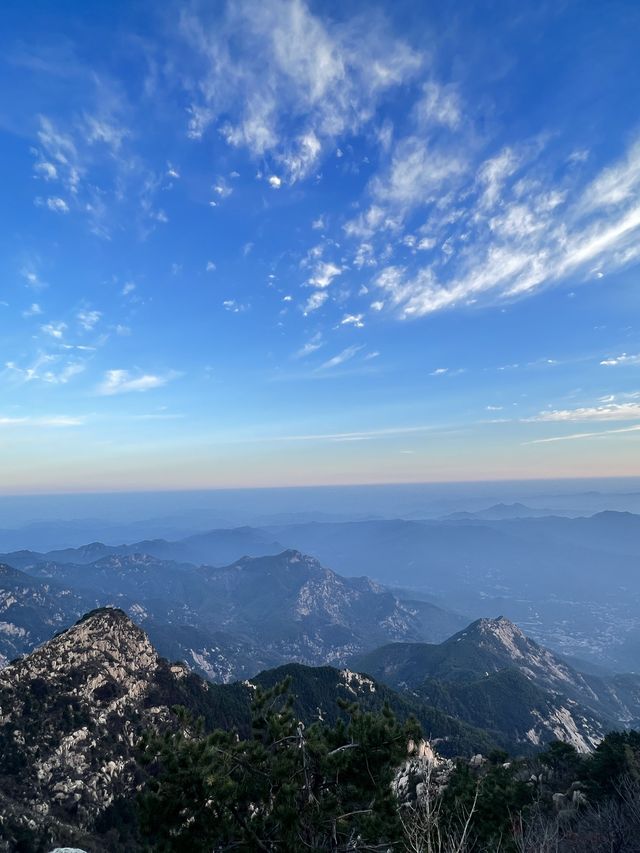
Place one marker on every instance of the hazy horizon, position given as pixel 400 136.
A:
pixel 235 507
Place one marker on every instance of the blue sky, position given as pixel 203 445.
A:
pixel 278 242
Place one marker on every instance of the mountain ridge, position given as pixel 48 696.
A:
pixel 271 609
pixel 73 712
pixel 489 667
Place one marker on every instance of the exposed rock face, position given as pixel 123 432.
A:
pixel 226 623
pixel 32 610
pixel 71 715
pixel 493 676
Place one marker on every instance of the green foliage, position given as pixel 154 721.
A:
pixel 285 788
pixel 496 796
pixel 617 757
pixel 317 687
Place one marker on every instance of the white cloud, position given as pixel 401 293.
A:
pixel 222 189
pixel 55 330
pixel 46 170
pixel 365 256
pixel 128 288
pixel 623 359
pixel 438 105
pixel 33 310
pixel 95 171
pixel 88 319
pixel 581 435
pixel 494 173
pixel 234 307
pixel 417 172
pixel 199 119
pixel 210 267
pixel 617 184
pixel 46 368
pixel 54 203
pixel 101 130
pixel 32 278
pixel 289 82
pixel 353 320
pixel 323 274
pixel 439 371
pixel 302 156
pixel 312 345
pixel 346 355
pixel 315 301
pixel 360 435
pixel 275 182
pixel 580 155
pixel 60 151
pixel 608 412
pixel 122 382
pixel 46 421
pixel 507 247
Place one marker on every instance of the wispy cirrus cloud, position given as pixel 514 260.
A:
pixel 45 367
pixel 362 435
pixel 88 319
pixel 33 310
pixel 86 160
pixel 607 412
pixel 53 203
pixel 44 421
pixel 312 345
pixel 577 436
pixel 346 355
pixel 315 301
pixel 124 382
pixel 284 83
pixel 506 234
pixel 622 360
pixel 54 330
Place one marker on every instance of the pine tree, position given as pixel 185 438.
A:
pixel 286 788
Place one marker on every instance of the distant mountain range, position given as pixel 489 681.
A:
pixel 494 677
pixel 502 511
pixel 33 610
pixel 226 622
pixel 572 583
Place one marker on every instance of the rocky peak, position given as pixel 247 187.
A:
pixel 125 561
pixel 503 632
pixel 498 635
pixel 102 655
pixel 72 714
pixel 503 644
